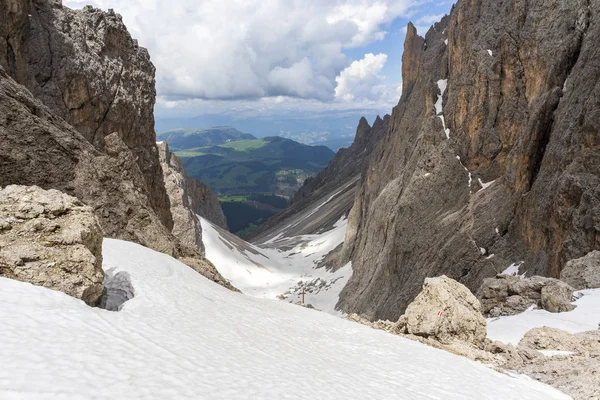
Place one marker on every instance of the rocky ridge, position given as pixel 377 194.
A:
pixel 338 180
pixel 88 131
pixel 85 67
pixel 491 157
pixel 188 198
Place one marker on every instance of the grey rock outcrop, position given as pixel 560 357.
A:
pixel 584 272
pixel 85 67
pixel 491 155
pixel 446 311
pixel 50 239
pixel 349 162
pixel 509 295
pixel 188 197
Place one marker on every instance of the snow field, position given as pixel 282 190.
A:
pixel 270 272
pixel 183 336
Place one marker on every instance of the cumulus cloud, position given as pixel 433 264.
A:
pixel 252 49
pixel 361 80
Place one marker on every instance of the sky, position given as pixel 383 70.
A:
pixel 274 56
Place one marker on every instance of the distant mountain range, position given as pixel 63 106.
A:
pixel 191 138
pixel 253 177
pixel 334 129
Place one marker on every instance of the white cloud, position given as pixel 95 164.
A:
pixel 252 49
pixel 361 80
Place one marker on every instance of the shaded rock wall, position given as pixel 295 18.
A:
pixel 38 148
pixel 87 69
pixel 82 69
pixel 492 156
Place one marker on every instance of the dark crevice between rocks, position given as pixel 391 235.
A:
pixel 543 138
pixel 117 290
pixel 10 56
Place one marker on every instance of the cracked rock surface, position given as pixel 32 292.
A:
pixel 50 239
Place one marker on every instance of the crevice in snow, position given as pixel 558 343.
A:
pixel 117 290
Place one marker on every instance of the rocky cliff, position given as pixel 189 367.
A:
pixel 76 103
pixel 349 162
pixel 491 158
pixel 38 148
pixel 88 70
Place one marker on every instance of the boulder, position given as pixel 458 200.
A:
pixel 509 295
pixel 557 297
pixel 584 272
pixel 50 239
pixel 446 311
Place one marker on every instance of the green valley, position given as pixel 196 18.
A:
pixel 254 178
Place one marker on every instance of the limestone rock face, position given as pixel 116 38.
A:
pixel 37 148
pixel 584 272
pixel 509 295
pixel 188 197
pixel 491 156
pixel 89 74
pixel 87 69
pixel 446 311
pixel 50 239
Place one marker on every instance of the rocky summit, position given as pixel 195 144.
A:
pixel 491 157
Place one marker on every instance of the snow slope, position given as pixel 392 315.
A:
pixel 183 336
pixel 585 317
pixel 281 266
